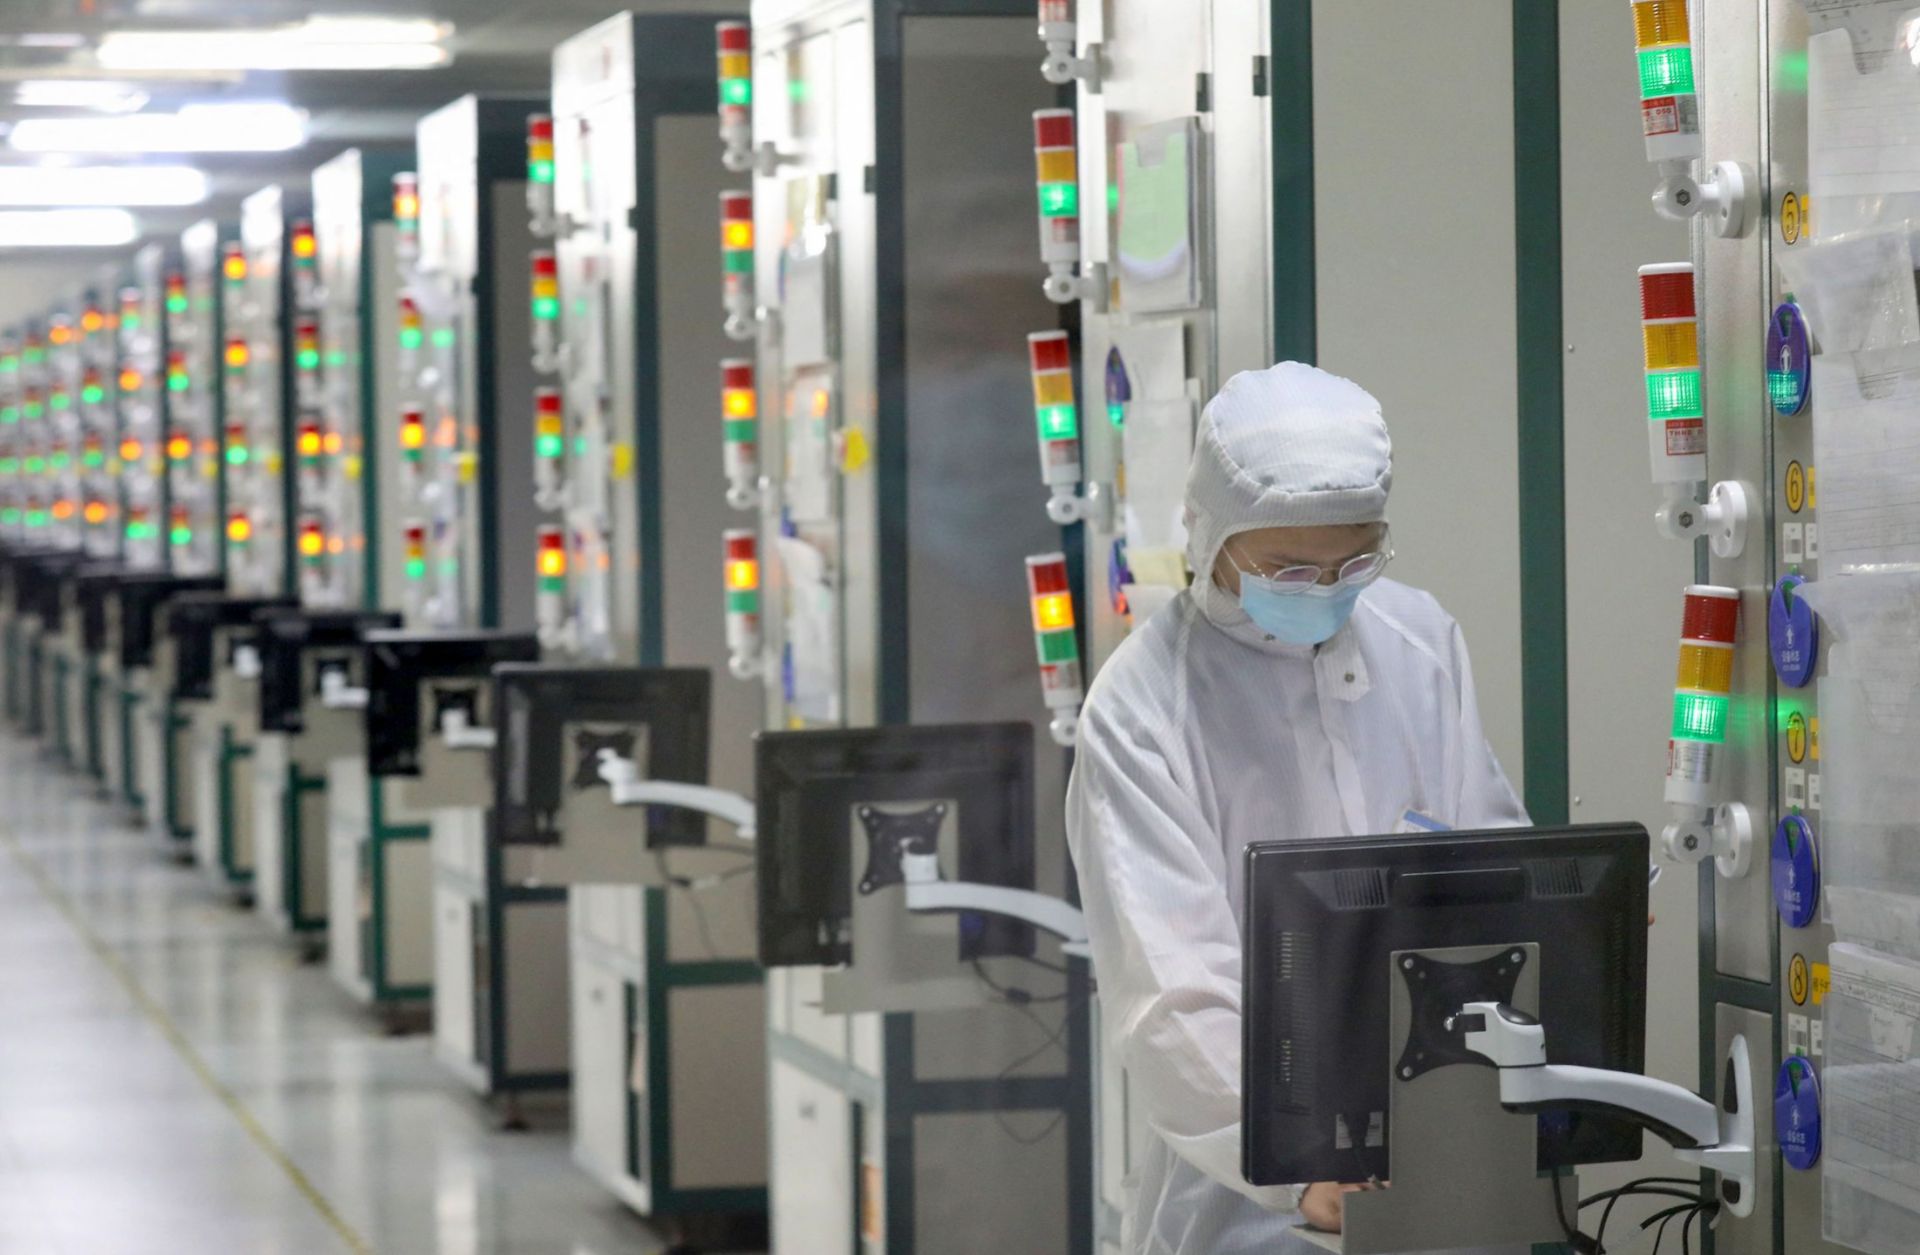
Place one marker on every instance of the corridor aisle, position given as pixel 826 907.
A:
pixel 172 1080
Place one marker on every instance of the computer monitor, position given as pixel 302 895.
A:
pixel 283 639
pixel 1324 921
pixel 399 663
pixel 553 721
pixel 831 800
pixel 195 619
pixel 141 597
pixel 92 590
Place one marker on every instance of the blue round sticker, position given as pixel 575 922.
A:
pixel 1789 360
pixel 1796 1113
pixel 1796 872
pixel 1793 634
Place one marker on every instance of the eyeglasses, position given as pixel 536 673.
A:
pixel 1357 571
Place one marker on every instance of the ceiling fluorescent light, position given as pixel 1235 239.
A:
pixel 102 185
pixel 79 93
pixel 65 228
pixel 337 43
pixel 229 128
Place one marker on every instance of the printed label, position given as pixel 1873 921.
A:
pixel 1686 437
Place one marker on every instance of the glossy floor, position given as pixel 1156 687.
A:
pixel 172 1079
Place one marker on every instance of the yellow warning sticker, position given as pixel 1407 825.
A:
pixel 622 457
pixel 1813 738
pixel 854 451
pixel 1822 981
pixel 1797 737
pixel 1796 487
pixel 1797 980
pixel 1790 217
pixel 871 1229
pixel 1813 498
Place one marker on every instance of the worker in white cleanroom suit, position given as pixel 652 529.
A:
pixel 1291 692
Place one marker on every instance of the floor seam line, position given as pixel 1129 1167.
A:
pixel 162 1023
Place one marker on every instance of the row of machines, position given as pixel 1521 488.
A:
pixel 563 577
pixel 587 576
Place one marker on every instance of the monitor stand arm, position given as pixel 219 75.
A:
pixel 623 777
pixel 1700 1133
pixel 462 735
pixel 927 894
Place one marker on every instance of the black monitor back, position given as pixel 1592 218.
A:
pixel 194 619
pixel 532 704
pixel 1324 917
pixel 397 663
pixel 284 637
pixel 140 599
pixel 807 786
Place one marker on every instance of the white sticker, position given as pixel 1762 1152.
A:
pixel 1792 542
pixel 1813 791
pixel 1818 1036
pixel 1813 542
pixel 1796 788
pixel 1799 1038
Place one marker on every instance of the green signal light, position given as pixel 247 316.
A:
pixel 743 601
pixel 1673 394
pixel 9 414
pixel 737 261
pixel 553 583
pixel 36 465
pixel 1059 200
pixel 550 446
pixel 61 400
pixel 1058 422
pixel 236 455
pixel 33 410
pixel 410 338
pixel 36 518
pixel 1700 717
pixel 181 536
pixel 546 308
pixel 539 172
pixel 416 568
pixel 1060 646
pixel 90 394
pixel 92 457
pixel 9 516
pixel 741 430
pixel 129 322
pixel 736 91
pixel 1666 71
pixel 176 304
pixel 308 359
pixel 9 466
pixel 178 382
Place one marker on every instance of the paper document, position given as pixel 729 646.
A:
pixel 1866 442
pixel 813 650
pixel 1863 136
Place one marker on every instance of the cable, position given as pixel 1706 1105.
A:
pixel 1686 1229
pixel 1053 1039
pixel 1012 996
pixel 1576 1240
pixel 1648 1187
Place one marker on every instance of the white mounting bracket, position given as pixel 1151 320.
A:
pixel 1721 1141
pixel 1061 66
pixel 461 735
pixel 743 156
pixel 1064 287
pixel 1064 727
pixel 1724 197
pixel 246 662
pixel 745 494
pixel 746 666
pixel 623 778
pixel 1722 518
pixel 1725 832
pixel 927 894
pixel 337 694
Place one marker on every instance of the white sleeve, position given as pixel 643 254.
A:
pixel 1486 799
pixel 1166 948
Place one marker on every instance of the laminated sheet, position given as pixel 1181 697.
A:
pixel 1870 1191
pixel 1870 731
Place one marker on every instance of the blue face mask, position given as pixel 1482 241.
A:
pixel 1303 618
